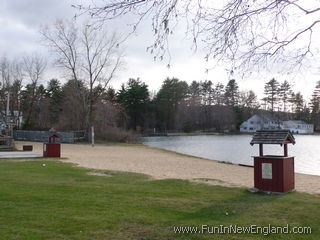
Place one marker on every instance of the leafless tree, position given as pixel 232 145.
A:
pixel 6 79
pixel 89 55
pixel 63 40
pixel 248 33
pixel 5 72
pixel 248 99
pixel 18 75
pixel 12 75
pixel 34 67
pixel 101 61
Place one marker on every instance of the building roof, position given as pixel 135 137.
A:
pixel 296 122
pixel 272 137
pixel 264 117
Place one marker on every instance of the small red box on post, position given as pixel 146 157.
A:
pixel 273 173
pixel 52 149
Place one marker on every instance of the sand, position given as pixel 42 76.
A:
pixel 161 164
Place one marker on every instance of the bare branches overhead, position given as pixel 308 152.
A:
pixel 246 33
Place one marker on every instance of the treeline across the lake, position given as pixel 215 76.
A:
pixel 176 107
pixel 209 106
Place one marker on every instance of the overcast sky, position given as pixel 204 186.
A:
pixel 20 21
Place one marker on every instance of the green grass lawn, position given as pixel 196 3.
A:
pixel 61 201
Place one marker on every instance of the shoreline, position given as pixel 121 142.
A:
pixel 218 161
pixel 164 164
pixel 183 134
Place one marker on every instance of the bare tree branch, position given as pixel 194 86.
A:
pixel 245 33
pixel 89 55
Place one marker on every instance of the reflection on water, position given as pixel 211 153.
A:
pixel 236 149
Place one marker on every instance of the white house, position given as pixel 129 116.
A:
pixel 298 126
pixel 16 120
pixel 258 122
pixel 266 122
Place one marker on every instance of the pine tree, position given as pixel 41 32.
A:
pixel 207 101
pixel 54 92
pixel 194 92
pixel 218 94
pixel 315 105
pixel 134 99
pixel 167 100
pixel 284 94
pixel 298 105
pixel 206 92
pixel 271 90
pixel 231 94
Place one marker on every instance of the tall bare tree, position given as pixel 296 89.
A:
pixel 12 75
pixel 6 79
pixel 34 67
pixel 88 55
pixel 101 61
pixel 18 75
pixel 248 99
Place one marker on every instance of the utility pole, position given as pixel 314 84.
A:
pixel 8 105
pixel 8 123
pixel 92 136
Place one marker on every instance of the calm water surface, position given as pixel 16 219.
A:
pixel 236 149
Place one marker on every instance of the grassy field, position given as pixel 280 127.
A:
pixel 61 201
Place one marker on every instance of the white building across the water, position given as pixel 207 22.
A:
pixel 298 126
pixel 264 122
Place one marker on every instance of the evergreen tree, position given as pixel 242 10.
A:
pixel 134 98
pixel 297 103
pixel 231 94
pixel 219 94
pixel 271 90
pixel 54 93
pixel 195 92
pixel 37 96
pixel 315 106
pixel 301 112
pixel 206 93
pixel 167 100
pixel 284 94
pixel 15 97
pixel 206 103
pixel 110 95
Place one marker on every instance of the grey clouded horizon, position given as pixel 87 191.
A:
pixel 19 34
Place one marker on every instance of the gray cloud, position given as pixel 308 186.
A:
pixel 21 20
pixel 34 12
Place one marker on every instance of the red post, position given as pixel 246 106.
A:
pixel 260 149
pixel 285 148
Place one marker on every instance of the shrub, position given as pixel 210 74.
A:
pixel 115 134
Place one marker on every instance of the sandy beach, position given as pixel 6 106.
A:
pixel 163 164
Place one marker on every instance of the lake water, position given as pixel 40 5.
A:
pixel 236 149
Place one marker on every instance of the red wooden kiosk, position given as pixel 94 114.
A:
pixel 52 149
pixel 273 173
